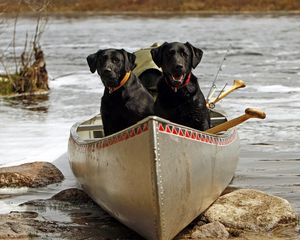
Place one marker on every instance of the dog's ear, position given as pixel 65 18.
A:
pixel 129 61
pixel 196 54
pixel 157 54
pixel 92 61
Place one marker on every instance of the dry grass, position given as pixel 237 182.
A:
pixel 25 71
pixel 62 6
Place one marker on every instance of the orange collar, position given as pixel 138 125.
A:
pixel 123 81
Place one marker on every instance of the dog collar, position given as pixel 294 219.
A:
pixel 185 82
pixel 123 81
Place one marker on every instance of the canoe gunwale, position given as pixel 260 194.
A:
pixel 224 135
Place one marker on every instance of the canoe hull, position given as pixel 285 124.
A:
pixel 155 177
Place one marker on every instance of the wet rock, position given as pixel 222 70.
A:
pixel 251 210
pixel 73 195
pixel 3 196
pixel 63 217
pixel 64 200
pixel 36 174
pixel 12 227
pixel 211 230
pixel 71 214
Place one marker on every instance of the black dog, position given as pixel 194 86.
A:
pixel 125 101
pixel 179 98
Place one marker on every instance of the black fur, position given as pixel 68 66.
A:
pixel 149 79
pixel 130 103
pixel 178 100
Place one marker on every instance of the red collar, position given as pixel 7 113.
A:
pixel 185 82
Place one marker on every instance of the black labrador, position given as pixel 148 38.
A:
pixel 179 98
pixel 125 101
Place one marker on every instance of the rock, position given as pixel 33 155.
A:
pixel 71 214
pixel 211 230
pixel 61 217
pixel 12 227
pixel 65 198
pixel 36 174
pixel 73 195
pixel 251 210
pixel 3 196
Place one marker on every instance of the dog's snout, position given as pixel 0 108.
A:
pixel 179 66
pixel 107 70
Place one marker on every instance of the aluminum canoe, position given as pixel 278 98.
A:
pixel 156 176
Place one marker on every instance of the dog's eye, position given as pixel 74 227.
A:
pixel 171 52
pixel 184 53
pixel 115 60
pixel 103 58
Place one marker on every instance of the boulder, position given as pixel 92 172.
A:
pixel 36 174
pixel 251 210
pixel 71 214
pixel 214 230
pixel 74 196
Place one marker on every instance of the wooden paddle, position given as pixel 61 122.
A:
pixel 249 113
pixel 236 84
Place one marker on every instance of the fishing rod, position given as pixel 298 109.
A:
pixel 237 83
pixel 213 86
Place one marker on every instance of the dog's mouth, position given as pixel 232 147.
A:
pixel 110 82
pixel 176 79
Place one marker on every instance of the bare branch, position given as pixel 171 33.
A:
pixel 14 41
pixel 24 59
pixel 33 74
pixel 37 5
pixel 39 29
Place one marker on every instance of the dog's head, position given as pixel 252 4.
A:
pixel 111 65
pixel 176 60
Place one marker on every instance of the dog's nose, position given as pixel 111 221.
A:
pixel 179 67
pixel 107 70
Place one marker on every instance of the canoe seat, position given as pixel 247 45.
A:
pixel 217 120
pixel 89 127
pixel 90 131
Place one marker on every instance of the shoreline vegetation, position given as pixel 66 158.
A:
pixel 153 6
pixel 23 72
pixel 30 79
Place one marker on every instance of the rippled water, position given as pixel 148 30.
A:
pixel 265 53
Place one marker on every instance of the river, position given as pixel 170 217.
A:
pixel 264 51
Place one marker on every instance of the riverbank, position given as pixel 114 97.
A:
pixel 157 14
pixel 152 6
pixel 63 211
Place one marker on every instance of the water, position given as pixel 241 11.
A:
pixel 265 53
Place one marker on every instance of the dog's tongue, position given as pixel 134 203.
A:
pixel 178 79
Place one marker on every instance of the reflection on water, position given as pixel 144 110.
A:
pixel 38 103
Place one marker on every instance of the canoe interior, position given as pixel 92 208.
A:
pixel 92 129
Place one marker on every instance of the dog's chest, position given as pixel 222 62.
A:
pixel 113 103
pixel 120 107
pixel 174 97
